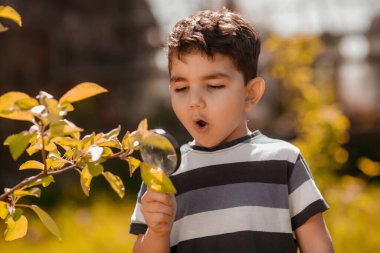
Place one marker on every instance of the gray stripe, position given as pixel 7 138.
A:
pixel 232 195
pixel 299 174
pixel 231 220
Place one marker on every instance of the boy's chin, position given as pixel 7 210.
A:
pixel 206 144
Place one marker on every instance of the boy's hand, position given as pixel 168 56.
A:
pixel 159 211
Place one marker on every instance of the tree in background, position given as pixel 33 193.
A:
pixel 321 130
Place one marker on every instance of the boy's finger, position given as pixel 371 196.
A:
pixel 151 196
pixel 157 207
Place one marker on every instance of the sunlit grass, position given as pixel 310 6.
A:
pixel 101 227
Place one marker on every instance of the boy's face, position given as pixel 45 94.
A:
pixel 209 98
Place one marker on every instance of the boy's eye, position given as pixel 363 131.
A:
pixel 215 86
pixel 180 89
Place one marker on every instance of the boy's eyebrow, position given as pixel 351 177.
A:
pixel 174 79
pixel 217 75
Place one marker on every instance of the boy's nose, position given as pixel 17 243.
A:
pixel 196 99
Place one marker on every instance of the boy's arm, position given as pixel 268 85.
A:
pixel 314 237
pixel 159 212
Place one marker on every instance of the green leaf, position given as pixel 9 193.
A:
pixel 26 103
pixel 113 133
pixel 17 143
pixel 45 181
pixel 95 169
pixel 36 192
pixel 16 229
pixel 85 180
pixel 16 214
pixel 156 179
pixel 32 164
pixel 126 142
pixel 107 152
pixel 63 127
pixel 115 182
pixel 46 220
pixel 3 209
pixel 10 13
pixel 82 91
pixel 133 164
pixel 66 142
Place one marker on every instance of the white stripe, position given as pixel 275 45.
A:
pixel 137 216
pixel 303 196
pixel 243 218
pixel 244 152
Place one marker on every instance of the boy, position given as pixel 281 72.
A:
pixel 237 190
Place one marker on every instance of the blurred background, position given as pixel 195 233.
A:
pixel 321 63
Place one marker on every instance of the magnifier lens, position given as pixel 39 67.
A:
pixel 158 150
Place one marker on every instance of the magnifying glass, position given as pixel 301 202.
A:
pixel 160 149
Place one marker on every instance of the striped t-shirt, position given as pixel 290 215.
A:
pixel 247 195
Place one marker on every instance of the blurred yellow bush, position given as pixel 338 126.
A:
pixel 101 227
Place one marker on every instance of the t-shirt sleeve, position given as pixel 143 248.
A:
pixel 138 225
pixel 305 200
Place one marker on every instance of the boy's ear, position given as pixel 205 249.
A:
pixel 255 89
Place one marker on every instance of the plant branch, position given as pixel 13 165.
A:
pixel 43 174
pixel 43 150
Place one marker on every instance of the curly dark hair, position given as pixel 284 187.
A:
pixel 213 32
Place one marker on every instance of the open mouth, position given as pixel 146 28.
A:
pixel 201 123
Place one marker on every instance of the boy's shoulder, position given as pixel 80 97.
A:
pixel 275 148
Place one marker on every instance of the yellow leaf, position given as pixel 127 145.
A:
pixel 115 182
pixel 85 181
pixel 36 192
pixel 18 115
pixel 45 181
pixel 16 229
pixel 82 91
pixel 133 164
pixel 113 133
pixel 156 179
pixel 47 220
pixel 107 152
pixel 8 99
pixel 143 127
pixel 3 209
pixel 63 127
pixel 10 110
pixel 126 143
pixel 26 103
pixel 9 13
pixel 32 164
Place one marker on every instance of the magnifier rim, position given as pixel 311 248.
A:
pixel 174 143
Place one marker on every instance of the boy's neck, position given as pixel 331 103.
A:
pixel 246 132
